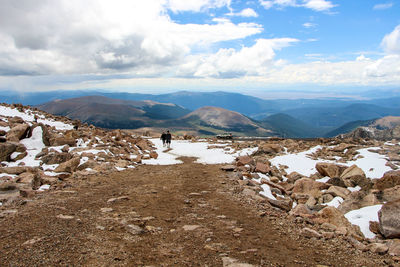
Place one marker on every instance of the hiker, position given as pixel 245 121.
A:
pixel 163 138
pixel 168 139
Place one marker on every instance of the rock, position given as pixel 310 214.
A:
pixel 249 192
pixel 374 227
pixel 16 170
pixel 357 200
pixel 294 176
pixel 230 262
pixel 31 179
pixel 134 229
pixel 142 144
pixel 353 176
pixel 68 166
pixel 394 247
pixel 357 244
pixel 309 186
pixel 8 186
pixel 18 132
pixel 60 140
pixel 378 248
pixel 391 194
pixel 284 204
pixel 337 191
pixel 56 158
pixel 244 160
pixel 328 227
pixel 336 181
pixel 300 210
pixel 115 199
pixel 310 233
pixel 269 149
pixel 65 217
pixel 153 154
pixel 390 179
pixel 190 227
pixel 329 169
pixel 6 149
pixel 333 216
pixel 389 219
pixel 228 168
pixel 262 167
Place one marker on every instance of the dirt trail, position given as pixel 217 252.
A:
pixel 191 214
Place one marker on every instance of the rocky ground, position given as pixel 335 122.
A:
pixel 73 194
pixel 177 215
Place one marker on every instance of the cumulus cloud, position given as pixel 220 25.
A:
pixel 230 63
pixel 247 13
pixel 316 5
pixel 100 36
pixel 391 41
pixel 382 6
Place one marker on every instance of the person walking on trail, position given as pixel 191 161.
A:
pixel 163 138
pixel 168 138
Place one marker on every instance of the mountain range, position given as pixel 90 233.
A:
pixel 283 117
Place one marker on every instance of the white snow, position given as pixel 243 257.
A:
pixel 362 217
pixel 34 145
pixel 184 148
pixel 119 168
pixel 323 179
pixel 335 202
pixel 267 191
pixel 373 164
pixel 4 128
pixel 29 117
pixel 44 187
pixel 353 189
pixel 298 162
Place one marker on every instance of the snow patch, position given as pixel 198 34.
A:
pixel 362 217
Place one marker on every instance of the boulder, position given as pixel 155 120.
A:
pixel 142 144
pixel 337 191
pixel 301 210
pixel 269 149
pixel 56 158
pixel 31 179
pixel 389 219
pixel 60 140
pixel 379 248
pixel 244 160
pixel 389 179
pixel 394 247
pixel 16 170
pixel 336 181
pixel 353 176
pixel 310 233
pixel 391 194
pixel 6 149
pixel 357 200
pixel 333 216
pixel 153 154
pixel 294 176
pixel 18 132
pixel 262 167
pixel 284 204
pixel 68 166
pixel 329 169
pixel 309 187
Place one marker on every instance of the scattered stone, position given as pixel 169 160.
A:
pixel 228 168
pixel 378 248
pixel 106 209
pixel 190 227
pixel 310 233
pixel 134 229
pixel 65 217
pixel 389 219
pixel 115 199
pixel 230 262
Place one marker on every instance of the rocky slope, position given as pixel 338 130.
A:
pixel 39 150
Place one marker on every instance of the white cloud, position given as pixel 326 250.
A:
pixel 247 13
pixel 228 63
pixel 382 6
pixel 99 36
pixel 316 5
pixel 391 41
pixel 309 25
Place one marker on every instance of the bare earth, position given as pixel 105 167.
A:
pixel 188 215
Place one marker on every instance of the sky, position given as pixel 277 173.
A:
pixel 319 47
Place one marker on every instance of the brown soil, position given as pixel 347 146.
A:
pixel 161 200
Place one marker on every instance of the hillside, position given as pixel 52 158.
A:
pixel 114 113
pixel 287 126
pixel 215 120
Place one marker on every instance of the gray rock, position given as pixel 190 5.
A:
pixel 389 219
